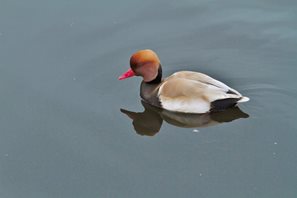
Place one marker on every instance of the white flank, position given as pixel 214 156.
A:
pixel 186 106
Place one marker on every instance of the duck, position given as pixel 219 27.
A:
pixel 183 91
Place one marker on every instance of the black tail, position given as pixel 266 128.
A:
pixel 219 105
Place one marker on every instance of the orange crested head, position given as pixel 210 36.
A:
pixel 143 63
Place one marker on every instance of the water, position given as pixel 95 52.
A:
pixel 62 130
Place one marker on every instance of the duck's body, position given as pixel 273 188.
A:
pixel 185 91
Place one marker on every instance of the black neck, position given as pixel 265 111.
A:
pixel 158 79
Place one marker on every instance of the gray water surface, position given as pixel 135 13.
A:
pixel 62 130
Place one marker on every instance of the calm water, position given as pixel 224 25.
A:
pixel 62 130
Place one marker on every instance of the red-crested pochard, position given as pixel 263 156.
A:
pixel 184 91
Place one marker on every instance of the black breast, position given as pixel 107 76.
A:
pixel 149 93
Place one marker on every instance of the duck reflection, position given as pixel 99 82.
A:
pixel 150 120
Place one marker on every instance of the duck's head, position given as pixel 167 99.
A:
pixel 144 63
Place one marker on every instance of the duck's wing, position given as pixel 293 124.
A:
pixel 196 93
pixel 203 78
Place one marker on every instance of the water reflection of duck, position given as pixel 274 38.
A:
pixel 185 91
pixel 150 120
